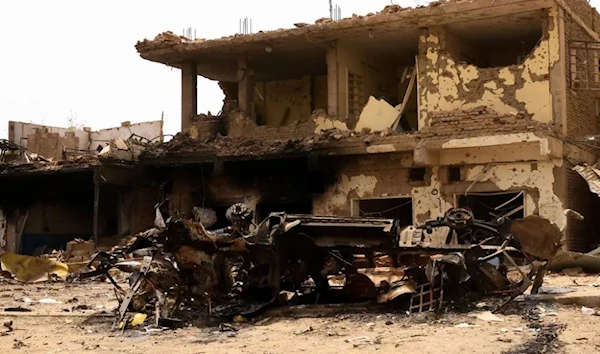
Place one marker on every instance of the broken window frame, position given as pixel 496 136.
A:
pixel 517 192
pixel 584 65
pixel 355 95
pixel 355 204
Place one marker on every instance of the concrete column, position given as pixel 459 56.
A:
pixel 189 94
pixel 245 86
pixel 332 79
pixel 558 72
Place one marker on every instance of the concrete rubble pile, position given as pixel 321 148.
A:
pixel 11 152
pixel 14 157
pixel 180 269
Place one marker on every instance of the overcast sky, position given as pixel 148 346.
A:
pixel 75 57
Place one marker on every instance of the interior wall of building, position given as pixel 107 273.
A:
pixel 380 80
pixel 282 102
pixel 54 209
pixel 48 140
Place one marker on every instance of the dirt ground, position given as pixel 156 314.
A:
pixel 73 318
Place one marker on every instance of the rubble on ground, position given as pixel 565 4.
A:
pixel 28 269
pixel 15 158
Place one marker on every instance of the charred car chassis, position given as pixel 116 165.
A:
pixel 291 258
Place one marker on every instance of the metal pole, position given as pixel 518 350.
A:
pixel 96 203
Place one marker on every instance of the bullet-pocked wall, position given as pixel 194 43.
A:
pixel 389 175
pixel 451 78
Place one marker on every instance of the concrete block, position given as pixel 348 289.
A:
pixel 78 245
pixel 377 116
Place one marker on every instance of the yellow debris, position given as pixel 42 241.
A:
pixel 32 269
pixel 138 319
pixel 239 319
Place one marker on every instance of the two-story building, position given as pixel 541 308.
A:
pixel 403 113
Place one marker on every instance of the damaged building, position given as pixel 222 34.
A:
pixel 59 184
pixel 401 114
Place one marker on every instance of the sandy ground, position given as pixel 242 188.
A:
pixel 80 321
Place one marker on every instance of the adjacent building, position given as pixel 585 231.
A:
pixel 59 184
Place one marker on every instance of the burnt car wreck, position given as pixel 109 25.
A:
pixel 303 259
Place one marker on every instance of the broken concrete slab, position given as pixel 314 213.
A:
pixel 568 259
pixel 589 297
pixel 323 123
pixel 377 116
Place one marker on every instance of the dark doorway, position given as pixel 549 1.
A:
pixel 222 221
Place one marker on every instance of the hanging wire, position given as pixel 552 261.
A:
pixel 385 211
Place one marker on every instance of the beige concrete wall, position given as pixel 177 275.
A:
pixel 284 101
pixel 48 141
pixel 447 84
pixel 18 132
pixel 50 145
pixel 369 176
pixel 148 130
pixel 539 180
pixel 529 167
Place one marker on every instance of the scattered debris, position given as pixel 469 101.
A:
pixel 226 327
pixel 489 317
pixel 576 261
pixel 47 300
pixel 302 331
pixel 32 269
pixel 8 325
pixel 358 341
pixel 587 311
pixel 17 309
pixel 263 322
pixel 18 344
pixel 239 319
pixel 554 290
pixel 138 319
pixel 545 341
pixel 464 325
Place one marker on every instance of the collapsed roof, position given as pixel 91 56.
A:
pixel 394 26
